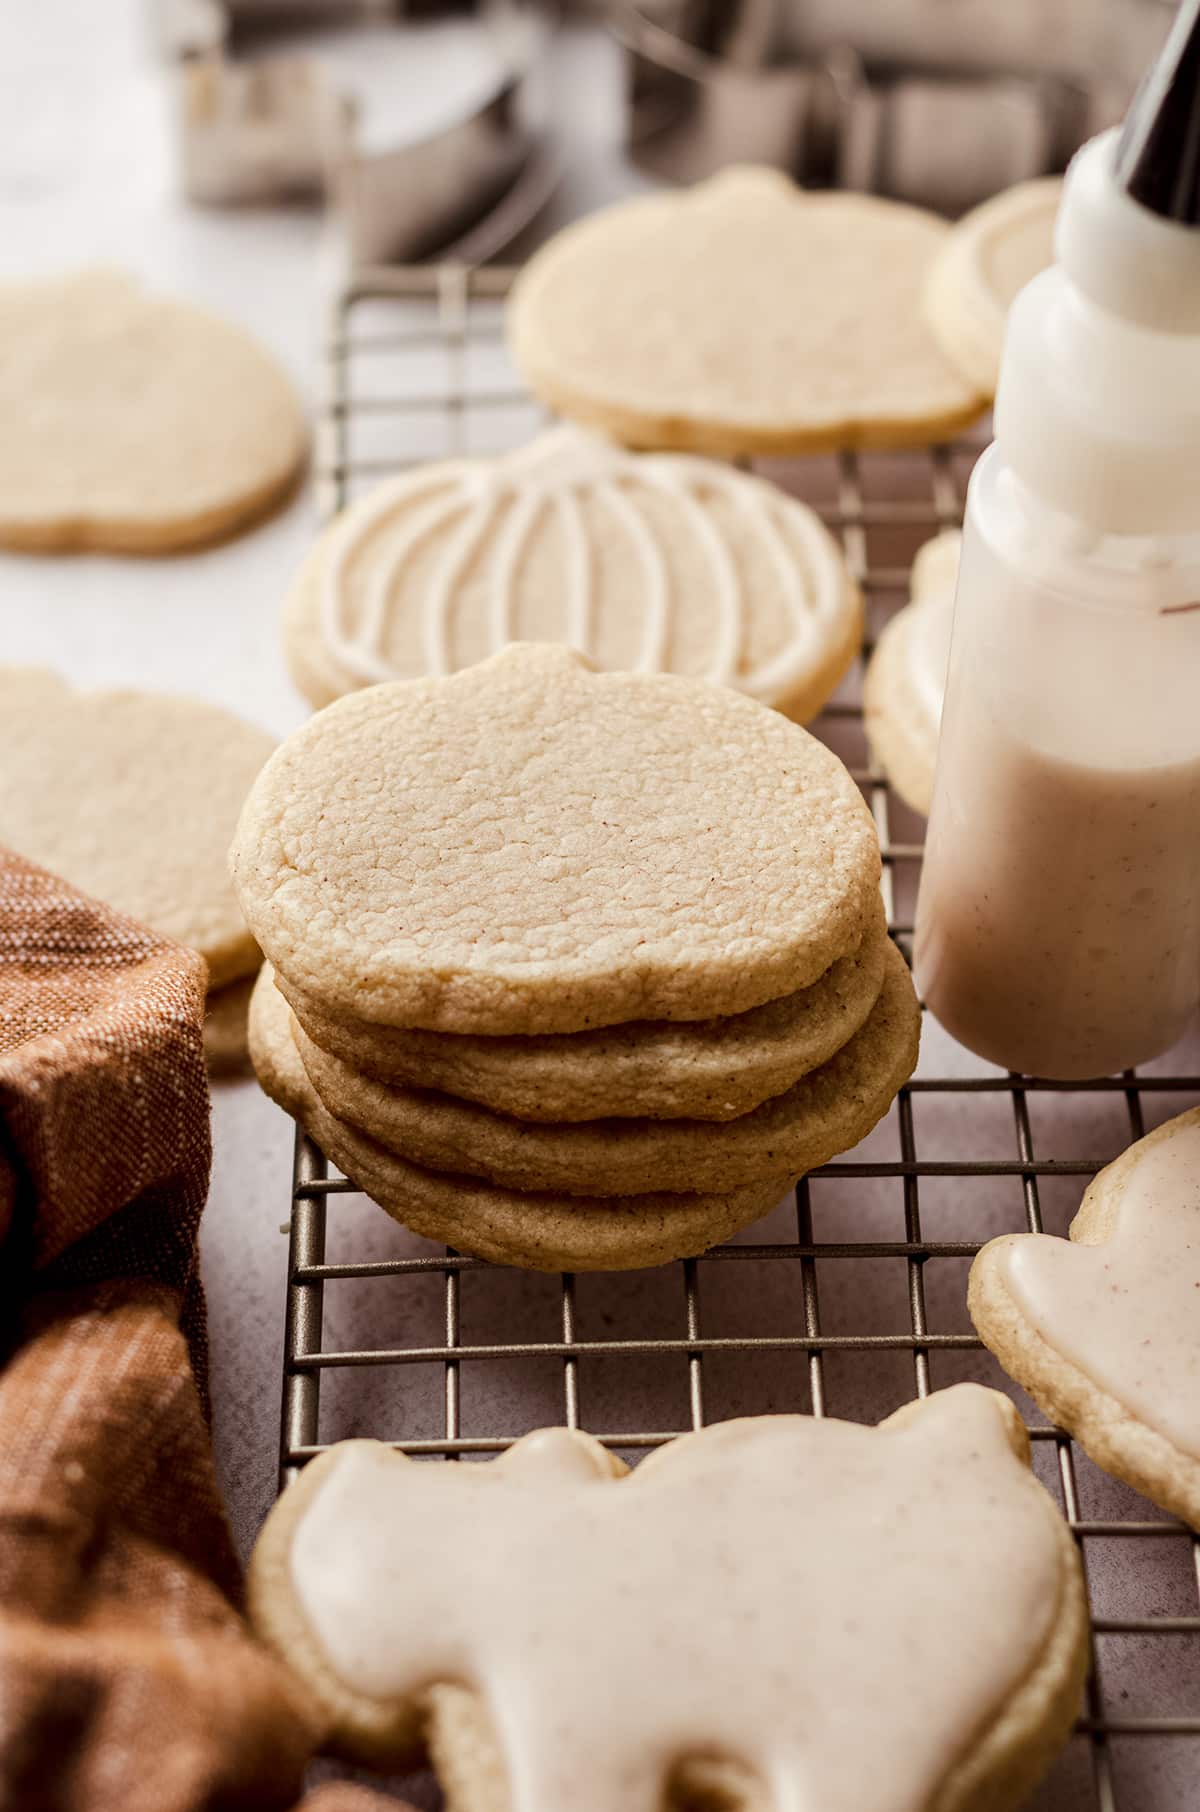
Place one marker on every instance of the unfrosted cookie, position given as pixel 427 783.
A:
pixel 990 254
pixel 130 421
pixel 1103 1330
pixel 712 1629
pixel 742 316
pixel 226 1037
pixel 654 562
pixel 707 1069
pixel 905 681
pixel 543 1231
pixel 531 846
pixel 132 797
pixel 825 1112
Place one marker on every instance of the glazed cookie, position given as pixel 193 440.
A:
pixel 905 680
pixel 133 422
pixel 745 1593
pixel 707 1069
pixel 530 846
pixel 654 562
pixel 742 316
pixel 990 255
pixel 824 1113
pixel 132 797
pixel 1103 1330
pixel 543 1231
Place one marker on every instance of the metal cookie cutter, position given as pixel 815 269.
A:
pixel 939 102
pixel 271 107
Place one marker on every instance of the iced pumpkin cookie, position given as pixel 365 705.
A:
pixel 709 1069
pixel 1103 1329
pixel 530 846
pixel 742 316
pixel 824 1113
pixel 542 1231
pixel 989 255
pixel 745 1593
pixel 134 422
pixel 653 562
pixel 905 680
pixel 133 798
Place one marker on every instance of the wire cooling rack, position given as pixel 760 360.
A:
pixel 849 1301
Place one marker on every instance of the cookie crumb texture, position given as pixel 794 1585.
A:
pixel 742 316
pixel 749 1594
pixel 131 422
pixel 530 846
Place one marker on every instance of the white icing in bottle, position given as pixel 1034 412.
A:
pixel 744 1594
pixel 1058 925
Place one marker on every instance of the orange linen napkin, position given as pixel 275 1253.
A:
pixel 128 1679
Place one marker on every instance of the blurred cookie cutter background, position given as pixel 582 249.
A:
pixel 260 118
pixel 938 102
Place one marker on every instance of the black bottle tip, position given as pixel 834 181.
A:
pixel 1158 153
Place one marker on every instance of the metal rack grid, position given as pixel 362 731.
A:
pixel 416 369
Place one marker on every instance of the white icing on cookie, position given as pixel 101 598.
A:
pixel 583 480
pixel 745 1594
pixel 1127 1312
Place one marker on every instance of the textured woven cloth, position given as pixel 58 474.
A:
pixel 128 1680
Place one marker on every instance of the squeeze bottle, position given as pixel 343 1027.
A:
pixel 1058 922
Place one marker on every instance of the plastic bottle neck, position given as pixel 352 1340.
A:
pixel 1098 405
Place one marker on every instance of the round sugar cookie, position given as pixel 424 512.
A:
pixel 653 562
pixel 132 422
pixel 824 1113
pixel 742 316
pixel 905 680
pixel 542 1232
pixel 531 846
pixel 133 797
pixel 989 255
pixel 708 1069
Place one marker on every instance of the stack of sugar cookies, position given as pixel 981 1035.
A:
pixel 571 969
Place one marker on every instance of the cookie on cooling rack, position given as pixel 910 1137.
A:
pixel 905 681
pixel 826 1112
pixel 742 316
pixel 707 1069
pixel 654 563
pixel 541 1231
pixel 133 798
pixel 1103 1329
pixel 531 846
pixel 133 422
pixel 534 850
pixel 744 1601
pixel 989 255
